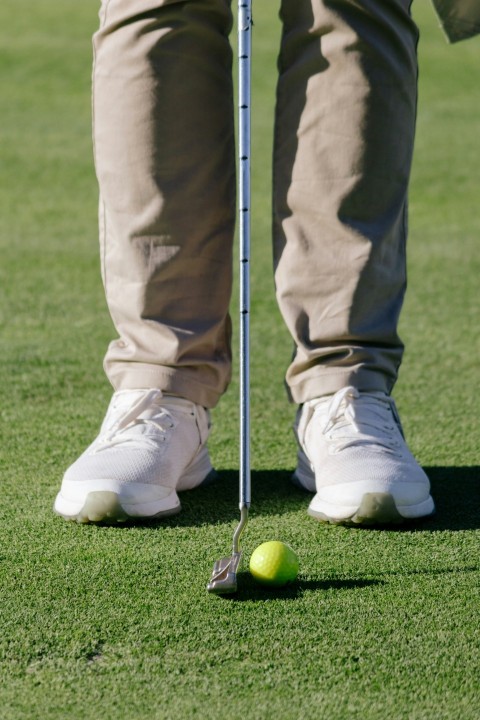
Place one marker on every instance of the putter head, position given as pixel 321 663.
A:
pixel 224 575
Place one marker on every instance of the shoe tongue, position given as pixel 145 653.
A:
pixel 130 406
pixel 362 421
pixel 138 429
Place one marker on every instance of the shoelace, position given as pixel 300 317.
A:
pixel 132 418
pixel 361 419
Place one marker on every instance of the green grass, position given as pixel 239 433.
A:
pixel 115 622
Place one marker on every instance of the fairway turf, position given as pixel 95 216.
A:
pixel 115 623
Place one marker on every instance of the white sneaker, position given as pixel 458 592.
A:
pixel 354 456
pixel 150 446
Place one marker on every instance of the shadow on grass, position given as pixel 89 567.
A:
pixel 249 589
pixel 456 491
pixel 272 494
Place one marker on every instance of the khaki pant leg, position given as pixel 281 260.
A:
pixel 345 122
pixel 164 152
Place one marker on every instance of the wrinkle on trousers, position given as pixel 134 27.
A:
pixel 165 161
pixel 345 124
pixel 164 150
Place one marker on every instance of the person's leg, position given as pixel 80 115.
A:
pixel 345 123
pixel 165 161
pixel 344 136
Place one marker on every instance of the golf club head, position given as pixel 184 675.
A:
pixel 224 575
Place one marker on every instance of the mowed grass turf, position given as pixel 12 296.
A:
pixel 116 622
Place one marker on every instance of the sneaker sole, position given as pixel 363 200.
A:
pixel 376 508
pixel 109 503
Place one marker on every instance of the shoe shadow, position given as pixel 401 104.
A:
pixel 272 494
pixel 456 491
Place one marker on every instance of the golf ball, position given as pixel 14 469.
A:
pixel 274 563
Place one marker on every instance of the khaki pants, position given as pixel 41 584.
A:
pixel 165 160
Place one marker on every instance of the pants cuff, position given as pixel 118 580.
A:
pixel 174 382
pixel 329 382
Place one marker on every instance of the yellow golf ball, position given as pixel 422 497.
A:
pixel 274 563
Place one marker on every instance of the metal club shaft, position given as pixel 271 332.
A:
pixel 224 576
pixel 244 108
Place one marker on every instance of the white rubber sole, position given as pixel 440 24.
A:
pixel 109 501
pixel 375 508
pixel 371 508
pixel 106 500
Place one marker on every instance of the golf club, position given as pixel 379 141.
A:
pixel 224 576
